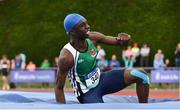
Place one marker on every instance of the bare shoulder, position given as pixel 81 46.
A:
pixel 66 59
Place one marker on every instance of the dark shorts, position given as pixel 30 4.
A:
pixel 110 82
pixel 4 72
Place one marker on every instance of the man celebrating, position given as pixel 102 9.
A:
pixel 77 59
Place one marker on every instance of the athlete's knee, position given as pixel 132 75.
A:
pixel 141 74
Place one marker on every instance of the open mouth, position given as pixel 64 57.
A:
pixel 88 32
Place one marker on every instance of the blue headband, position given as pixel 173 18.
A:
pixel 71 20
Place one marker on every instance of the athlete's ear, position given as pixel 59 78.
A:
pixel 71 32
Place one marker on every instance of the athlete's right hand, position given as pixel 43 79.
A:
pixel 123 39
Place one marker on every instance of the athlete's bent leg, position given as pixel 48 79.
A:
pixel 140 77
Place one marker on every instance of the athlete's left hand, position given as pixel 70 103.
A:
pixel 123 39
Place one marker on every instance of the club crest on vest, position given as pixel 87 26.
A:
pixel 93 53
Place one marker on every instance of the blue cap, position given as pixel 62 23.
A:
pixel 71 20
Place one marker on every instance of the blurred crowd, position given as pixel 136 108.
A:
pixel 135 56
pixel 19 62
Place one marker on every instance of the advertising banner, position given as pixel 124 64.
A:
pixel 37 76
pixel 165 76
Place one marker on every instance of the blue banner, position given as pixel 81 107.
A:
pixel 165 76
pixel 37 76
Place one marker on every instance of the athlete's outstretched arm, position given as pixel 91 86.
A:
pixel 121 39
pixel 64 64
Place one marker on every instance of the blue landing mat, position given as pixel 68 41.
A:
pixel 46 100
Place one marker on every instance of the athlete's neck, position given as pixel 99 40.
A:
pixel 79 44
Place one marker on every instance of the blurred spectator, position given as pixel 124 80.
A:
pixel 31 66
pixel 128 58
pixel 12 64
pixel 23 57
pixel 167 63
pixel 5 66
pixel 17 62
pixel 101 52
pixel 55 63
pixel 145 51
pixel 114 63
pixel 159 54
pixel 136 53
pixel 159 60
pixel 177 55
pixel 102 64
pixel 45 65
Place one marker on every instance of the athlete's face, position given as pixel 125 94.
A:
pixel 82 29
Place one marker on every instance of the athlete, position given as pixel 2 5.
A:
pixel 77 60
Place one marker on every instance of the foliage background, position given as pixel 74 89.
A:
pixel 35 27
